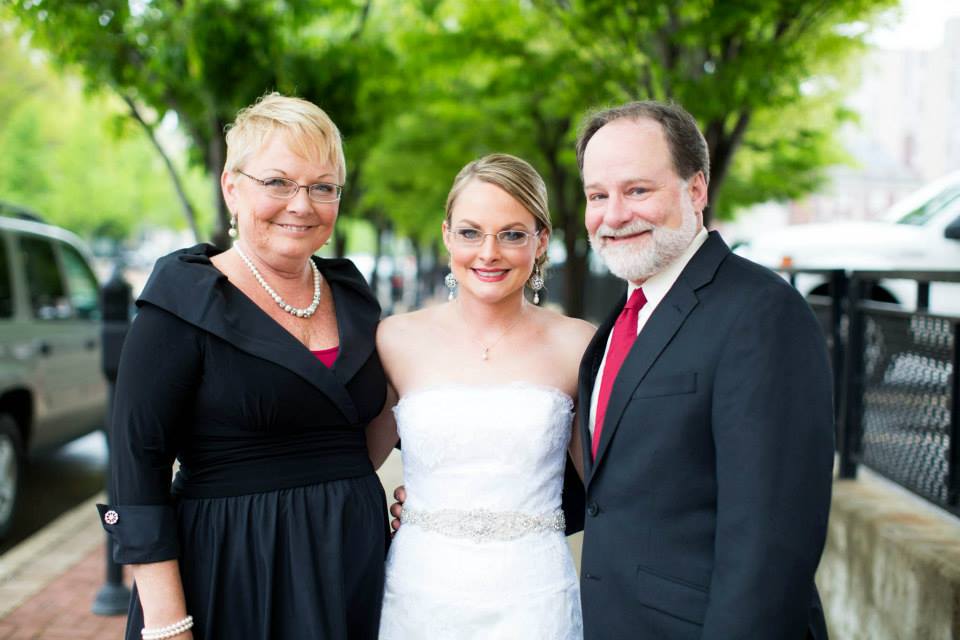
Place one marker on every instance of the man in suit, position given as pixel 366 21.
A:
pixel 706 404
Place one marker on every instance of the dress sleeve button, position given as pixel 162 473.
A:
pixel 111 517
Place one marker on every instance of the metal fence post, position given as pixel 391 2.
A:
pixel 838 293
pixel 953 460
pixel 851 422
pixel 113 597
pixel 923 296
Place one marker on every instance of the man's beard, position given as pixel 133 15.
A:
pixel 637 263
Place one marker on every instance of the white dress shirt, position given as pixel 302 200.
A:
pixel 655 289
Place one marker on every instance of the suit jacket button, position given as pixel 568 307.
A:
pixel 592 508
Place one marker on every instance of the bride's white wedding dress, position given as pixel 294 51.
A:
pixel 482 553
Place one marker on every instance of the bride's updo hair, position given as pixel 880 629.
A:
pixel 515 176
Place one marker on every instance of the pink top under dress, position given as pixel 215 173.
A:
pixel 327 356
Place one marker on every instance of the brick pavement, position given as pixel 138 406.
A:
pixel 48 582
pixel 62 608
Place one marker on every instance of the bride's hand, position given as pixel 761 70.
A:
pixel 400 495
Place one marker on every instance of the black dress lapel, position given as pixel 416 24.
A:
pixel 187 284
pixel 357 316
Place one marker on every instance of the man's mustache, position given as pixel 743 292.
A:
pixel 632 228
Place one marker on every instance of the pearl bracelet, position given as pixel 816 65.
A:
pixel 169 631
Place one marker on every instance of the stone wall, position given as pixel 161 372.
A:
pixel 891 567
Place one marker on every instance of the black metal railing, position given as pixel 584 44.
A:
pixel 895 380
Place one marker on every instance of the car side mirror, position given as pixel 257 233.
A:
pixel 953 230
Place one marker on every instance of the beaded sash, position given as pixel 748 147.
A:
pixel 481 524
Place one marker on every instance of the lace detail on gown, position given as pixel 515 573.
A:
pixel 498 449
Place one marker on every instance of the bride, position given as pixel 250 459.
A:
pixel 485 413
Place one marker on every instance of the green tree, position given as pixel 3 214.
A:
pixel 761 76
pixel 63 155
pixel 203 60
pixel 740 67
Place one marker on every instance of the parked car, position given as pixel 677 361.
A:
pixel 921 232
pixel 51 386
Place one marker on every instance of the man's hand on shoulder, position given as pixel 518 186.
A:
pixel 400 495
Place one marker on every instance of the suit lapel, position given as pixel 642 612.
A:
pixel 656 334
pixel 666 320
pixel 589 366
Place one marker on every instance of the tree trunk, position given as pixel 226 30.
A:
pixel 576 268
pixel 379 227
pixel 216 157
pixel 421 276
pixel 571 223
pixel 565 192
pixel 722 146
pixel 339 243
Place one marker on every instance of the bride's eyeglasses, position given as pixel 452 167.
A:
pixel 513 238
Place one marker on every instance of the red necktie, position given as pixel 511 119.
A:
pixel 624 333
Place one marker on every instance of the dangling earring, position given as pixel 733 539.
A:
pixel 232 231
pixel 451 283
pixel 536 282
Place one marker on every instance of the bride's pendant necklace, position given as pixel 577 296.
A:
pixel 294 311
pixel 485 354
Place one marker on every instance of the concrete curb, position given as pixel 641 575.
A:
pixel 891 567
pixel 37 561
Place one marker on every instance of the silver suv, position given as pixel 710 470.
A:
pixel 51 386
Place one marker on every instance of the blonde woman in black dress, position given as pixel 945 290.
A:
pixel 255 368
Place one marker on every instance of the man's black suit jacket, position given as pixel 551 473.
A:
pixel 707 504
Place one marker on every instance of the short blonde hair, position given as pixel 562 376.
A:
pixel 515 176
pixel 308 129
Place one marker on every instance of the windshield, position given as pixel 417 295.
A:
pixel 922 213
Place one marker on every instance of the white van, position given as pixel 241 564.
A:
pixel 919 233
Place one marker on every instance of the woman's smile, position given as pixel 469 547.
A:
pixel 490 275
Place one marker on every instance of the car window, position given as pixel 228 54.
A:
pixel 81 284
pixel 45 287
pixel 948 198
pixel 6 287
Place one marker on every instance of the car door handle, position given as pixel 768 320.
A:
pixel 44 348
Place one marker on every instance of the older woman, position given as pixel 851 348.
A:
pixel 256 369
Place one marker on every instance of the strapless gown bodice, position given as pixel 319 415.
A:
pixel 498 448
pixel 482 553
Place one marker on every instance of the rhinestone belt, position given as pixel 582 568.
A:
pixel 481 524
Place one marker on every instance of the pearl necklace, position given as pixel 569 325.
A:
pixel 300 313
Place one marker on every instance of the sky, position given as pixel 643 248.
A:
pixel 919 27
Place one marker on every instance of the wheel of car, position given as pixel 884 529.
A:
pixel 11 458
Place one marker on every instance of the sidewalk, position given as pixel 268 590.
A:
pixel 48 582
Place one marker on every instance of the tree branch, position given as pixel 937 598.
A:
pixel 188 210
pixel 364 14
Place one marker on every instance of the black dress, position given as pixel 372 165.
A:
pixel 275 515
